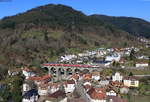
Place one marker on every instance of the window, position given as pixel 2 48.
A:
pixel 132 82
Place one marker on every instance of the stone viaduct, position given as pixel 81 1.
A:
pixel 67 69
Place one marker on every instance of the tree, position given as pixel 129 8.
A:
pixel 142 88
pixel 132 54
pixel 5 94
pixel 149 61
pixel 107 72
pixel 16 90
pixel 130 74
pixel 115 64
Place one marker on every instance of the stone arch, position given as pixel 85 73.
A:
pixel 69 71
pixel 61 71
pixel 46 70
pixel 53 70
pixel 77 70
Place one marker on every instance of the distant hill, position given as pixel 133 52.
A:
pixel 42 33
pixel 134 26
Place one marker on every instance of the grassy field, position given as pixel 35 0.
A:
pixel 140 99
pixel 140 72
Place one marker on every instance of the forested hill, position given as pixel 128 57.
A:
pixel 42 33
pixel 134 26
pixel 54 16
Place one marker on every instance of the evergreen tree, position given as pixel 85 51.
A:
pixel 130 74
pixel 132 54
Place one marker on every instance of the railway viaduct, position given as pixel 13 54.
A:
pixel 67 69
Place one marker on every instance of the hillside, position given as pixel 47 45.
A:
pixel 41 34
pixel 134 26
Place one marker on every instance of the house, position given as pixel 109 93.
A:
pixel 87 87
pixel 96 95
pixel 113 57
pixel 124 90
pixel 67 58
pixel 110 49
pixel 104 82
pixel 54 87
pixel 26 86
pixel 69 86
pixel 131 81
pixel 147 45
pixel 142 64
pixel 30 96
pixel 28 73
pixel 101 52
pixel 48 88
pixel 43 89
pixel 115 99
pixel 96 76
pixel 111 92
pixel 13 72
pixel 117 77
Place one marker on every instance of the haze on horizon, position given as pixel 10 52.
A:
pixel 129 8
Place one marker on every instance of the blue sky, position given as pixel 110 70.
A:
pixel 130 8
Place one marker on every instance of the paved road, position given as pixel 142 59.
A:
pixel 81 90
pixel 137 68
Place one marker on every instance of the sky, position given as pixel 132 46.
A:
pixel 129 8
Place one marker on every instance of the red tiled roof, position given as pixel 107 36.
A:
pixel 34 78
pixel 70 82
pixel 141 62
pixel 116 83
pixel 43 85
pixel 87 76
pixel 40 78
pixel 75 76
pixel 97 93
pixel 58 94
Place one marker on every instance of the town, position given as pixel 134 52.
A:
pixel 100 75
pixel 74 51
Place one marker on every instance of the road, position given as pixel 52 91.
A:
pixel 81 91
